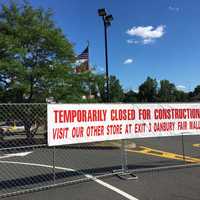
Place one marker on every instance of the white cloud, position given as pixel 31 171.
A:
pixel 128 61
pixel 130 41
pixel 176 9
pixel 181 87
pixel 148 41
pixel 148 34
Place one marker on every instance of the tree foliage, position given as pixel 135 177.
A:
pixel 36 62
pixel 35 56
pixel 130 96
pixel 166 92
pixel 115 89
pixel 151 91
pixel 195 95
pixel 148 90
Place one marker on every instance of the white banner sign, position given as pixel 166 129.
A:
pixel 84 123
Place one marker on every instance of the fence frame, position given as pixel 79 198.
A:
pixel 123 172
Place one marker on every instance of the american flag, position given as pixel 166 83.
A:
pixel 83 61
pixel 82 68
pixel 84 54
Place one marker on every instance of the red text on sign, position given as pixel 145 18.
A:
pixel 144 114
pixel 60 133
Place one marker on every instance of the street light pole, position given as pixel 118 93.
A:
pixel 106 22
pixel 106 57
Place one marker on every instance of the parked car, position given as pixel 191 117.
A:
pixel 11 128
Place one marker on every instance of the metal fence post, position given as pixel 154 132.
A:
pixel 54 159
pixel 123 156
pixel 183 147
pixel 125 173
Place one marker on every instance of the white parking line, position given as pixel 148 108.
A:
pixel 111 187
pixel 20 154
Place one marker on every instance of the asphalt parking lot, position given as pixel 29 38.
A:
pixel 35 169
pixel 173 184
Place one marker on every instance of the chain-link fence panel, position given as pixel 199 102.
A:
pixel 25 168
pixel 22 124
pixel 23 132
pixel 28 164
pixel 163 152
pixel 191 145
pixel 93 159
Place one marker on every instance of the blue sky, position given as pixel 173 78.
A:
pixel 157 38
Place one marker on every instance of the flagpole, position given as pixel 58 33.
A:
pixel 88 45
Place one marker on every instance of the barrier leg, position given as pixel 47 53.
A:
pixel 183 147
pixel 125 173
pixel 54 159
pixel 124 156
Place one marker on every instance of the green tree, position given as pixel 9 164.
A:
pixel 181 96
pixel 35 60
pixel 166 92
pixel 148 90
pixel 101 89
pixel 196 90
pixel 195 95
pixel 87 87
pixel 130 97
pixel 35 56
pixel 116 91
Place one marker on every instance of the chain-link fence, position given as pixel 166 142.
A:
pixel 22 124
pixel 28 164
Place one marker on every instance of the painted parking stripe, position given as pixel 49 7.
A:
pixel 163 154
pixel 196 145
pixel 110 187
pixel 20 154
